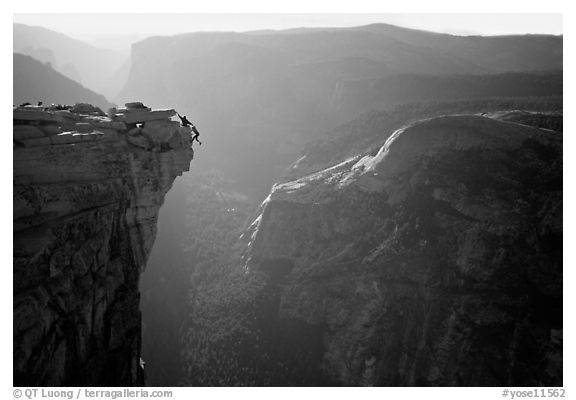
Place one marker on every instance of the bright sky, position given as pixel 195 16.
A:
pixel 92 26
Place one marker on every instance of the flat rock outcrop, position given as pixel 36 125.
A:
pixel 87 190
pixel 435 261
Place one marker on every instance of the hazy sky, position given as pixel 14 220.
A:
pixel 92 26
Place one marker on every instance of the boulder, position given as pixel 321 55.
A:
pixel 85 108
pixel 67 115
pixel 135 110
pixel 135 104
pixel 160 131
pixel 133 107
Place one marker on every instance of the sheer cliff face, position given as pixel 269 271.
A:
pixel 87 190
pixel 435 261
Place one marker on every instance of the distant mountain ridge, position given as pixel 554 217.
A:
pixel 91 66
pixel 35 81
pixel 463 54
pixel 281 89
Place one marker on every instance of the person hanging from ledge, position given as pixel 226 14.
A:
pixel 185 122
pixel 196 134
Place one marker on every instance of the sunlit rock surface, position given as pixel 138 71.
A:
pixel 436 260
pixel 87 190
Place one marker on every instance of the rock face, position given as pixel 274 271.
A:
pixel 435 261
pixel 86 201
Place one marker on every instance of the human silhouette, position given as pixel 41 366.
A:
pixel 185 122
pixel 196 134
pixel 39 103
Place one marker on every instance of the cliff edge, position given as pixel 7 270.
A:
pixel 434 261
pixel 87 190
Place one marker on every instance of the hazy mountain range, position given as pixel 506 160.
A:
pixel 35 81
pixel 95 68
pixel 281 89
